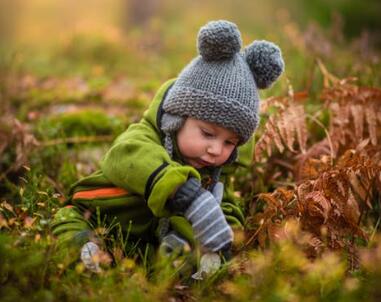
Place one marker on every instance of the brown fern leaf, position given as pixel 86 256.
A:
pixel 361 169
pixel 303 190
pixel 318 205
pixel 329 207
pixel 339 129
pixel 263 238
pixel 267 224
pixel 272 102
pixel 284 127
pixel 264 143
pixel 292 127
pixel 315 247
pixel 270 200
pixel 300 126
pixel 286 196
pixel 371 114
pixel 353 257
pixel 335 186
pixel 287 128
pixel 16 136
pixel 273 132
pixel 352 211
pixel 275 231
pixel 354 110
pixel 339 178
pixel 358 117
pixel 315 161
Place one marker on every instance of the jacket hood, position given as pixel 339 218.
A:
pixel 155 110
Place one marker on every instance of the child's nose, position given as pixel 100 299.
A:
pixel 215 148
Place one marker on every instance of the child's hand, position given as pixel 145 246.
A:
pixel 173 243
pixel 203 211
pixel 218 191
pixel 208 222
pixel 185 194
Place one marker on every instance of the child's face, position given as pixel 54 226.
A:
pixel 205 144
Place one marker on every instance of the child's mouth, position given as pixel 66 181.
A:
pixel 198 163
pixel 204 163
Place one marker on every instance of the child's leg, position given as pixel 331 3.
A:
pixel 70 227
pixel 72 231
pixel 175 253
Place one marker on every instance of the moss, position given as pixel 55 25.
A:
pixel 87 122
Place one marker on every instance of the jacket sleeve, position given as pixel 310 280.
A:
pixel 139 163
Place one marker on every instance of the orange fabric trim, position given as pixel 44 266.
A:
pixel 100 193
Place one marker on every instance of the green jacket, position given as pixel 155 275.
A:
pixel 138 163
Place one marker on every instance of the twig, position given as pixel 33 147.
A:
pixel 283 164
pixel 76 140
pixel 375 229
pixel 254 235
pixel 55 185
pixel 326 132
pixel 326 74
pixel 5 173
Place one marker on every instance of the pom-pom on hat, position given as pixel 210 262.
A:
pixel 221 84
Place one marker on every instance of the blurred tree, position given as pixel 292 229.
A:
pixel 138 13
pixel 357 16
pixel 8 10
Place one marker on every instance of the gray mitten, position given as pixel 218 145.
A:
pixel 218 191
pixel 208 223
pixel 203 211
pixel 173 243
pixel 185 195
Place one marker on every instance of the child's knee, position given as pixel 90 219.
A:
pixel 70 227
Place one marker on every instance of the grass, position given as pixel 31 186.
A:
pixel 79 94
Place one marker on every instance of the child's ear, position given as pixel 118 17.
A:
pixel 171 123
pixel 265 61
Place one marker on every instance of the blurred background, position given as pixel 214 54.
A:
pixel 151 40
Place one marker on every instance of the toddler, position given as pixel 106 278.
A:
pixel 160 179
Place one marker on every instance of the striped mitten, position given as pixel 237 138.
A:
pixel 203 211
pixel 208 223
pixel 173 243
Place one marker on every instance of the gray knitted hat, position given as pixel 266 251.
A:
pixel 221 84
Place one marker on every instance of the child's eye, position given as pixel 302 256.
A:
pixel 206 133
pixel 230 143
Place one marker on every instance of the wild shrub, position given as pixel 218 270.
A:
pixel 335 195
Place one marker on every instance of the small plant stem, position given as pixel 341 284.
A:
pixel 254 235
pixel 77 140
pixel 326 132
pixel 375 229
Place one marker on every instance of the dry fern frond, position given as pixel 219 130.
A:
pixel 334 202
pixel 280 205
pixel 355 122
pixel 285 127
pixel 16 139
pixel 355 113
pixel 317 205
pixel 338 180
pixel 315 161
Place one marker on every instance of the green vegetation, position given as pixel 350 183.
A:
pixel 65 97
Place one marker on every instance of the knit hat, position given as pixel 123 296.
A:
pixel 221 84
